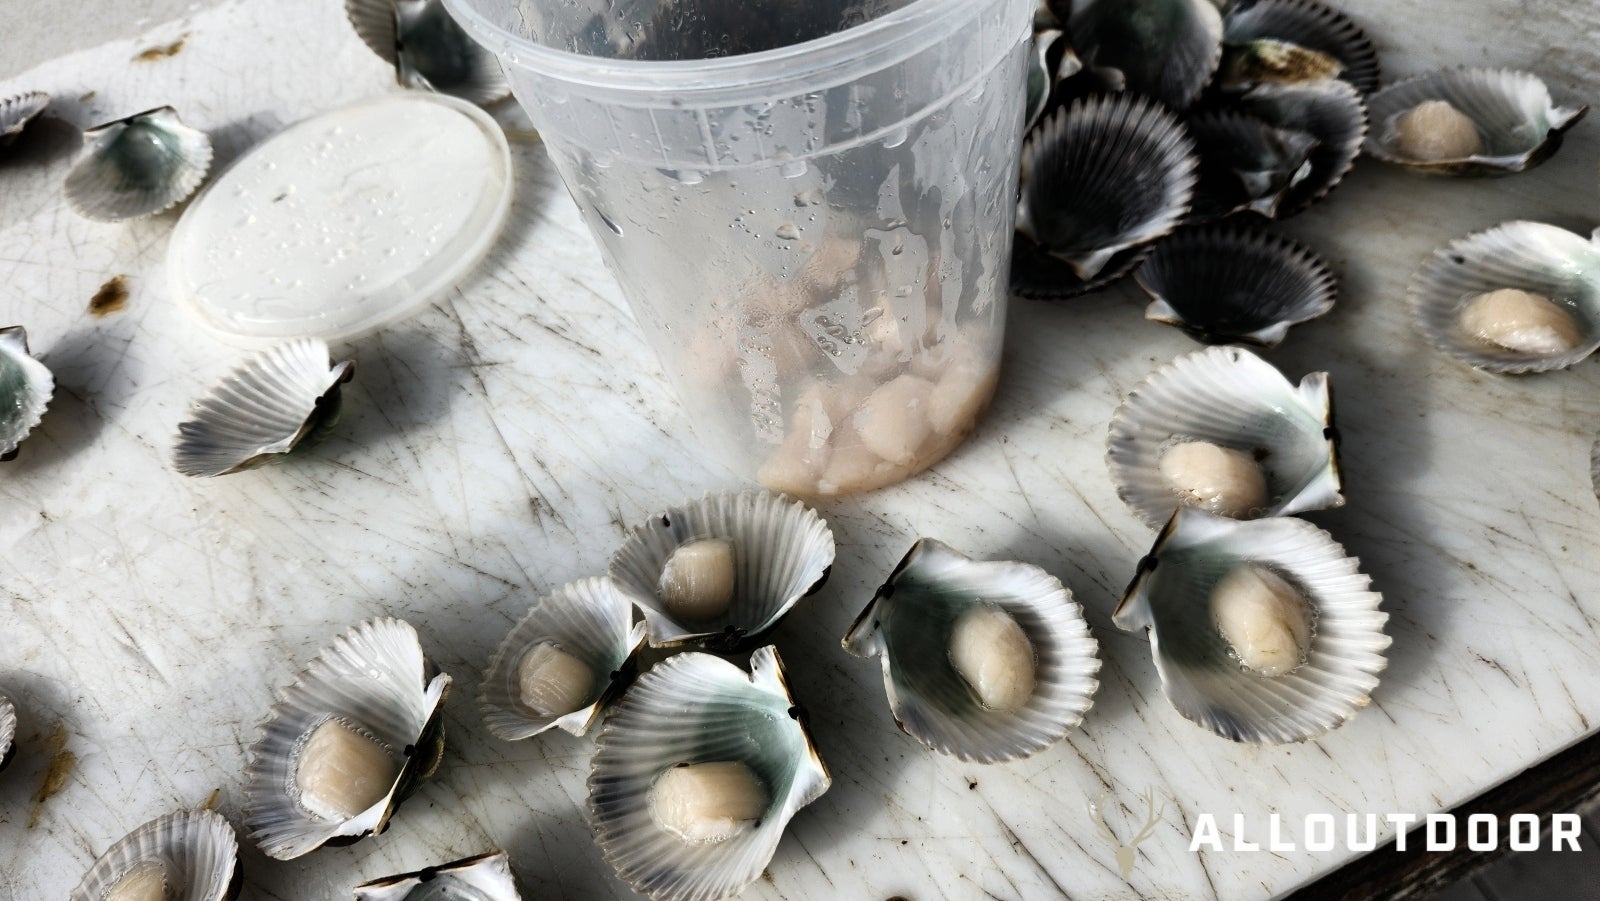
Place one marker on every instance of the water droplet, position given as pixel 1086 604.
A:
pixel 615 228
pixel 788 231
pixel 895 138
pixel 793 169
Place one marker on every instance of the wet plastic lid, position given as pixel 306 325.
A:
pixel 345 221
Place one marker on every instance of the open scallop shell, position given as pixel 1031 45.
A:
pixel 1233 284
pixel 196 849
pixel 1519 124
pixel 1304 24
pixel 1333 112
pixel 1099 178
pixel 1166 49
pixel 1245 164
pixel 8 731
pixel 262 410
pixel 373 679
pixel 485 877
pixel 1170 596
pixel 16 112
pixel 909 625
pixel 783 551
pixel 25 389
pixel 428 49
pixel 696 708
pixel 138 166
pixel 1230 397
pixel 588 619
pixel 1529 256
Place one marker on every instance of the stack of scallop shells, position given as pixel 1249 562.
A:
pixel 1164 137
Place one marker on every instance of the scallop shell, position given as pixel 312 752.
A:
pixel 589 619
pixel 1223 284
pixel 1245 164
pixel 909 625
pixel 1309 24
pixel 783 552
pixel 1170 596
pixel 486 877
pixel 1232 398
pixel 26 386
pixel 373 678
pixel 1530 256
pixel 1520 125
pixel 1333 112
pixel 1099 178
pixel 697 708
pixel 263 409
pixel 8 731
pixel 16 112
pixel 138 166
pixel 428 49
pixel 1166 49
pixel 197 849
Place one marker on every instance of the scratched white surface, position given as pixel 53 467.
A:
pixel 497 445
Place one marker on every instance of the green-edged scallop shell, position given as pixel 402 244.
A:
pixel 374 681
pixel 1519 126
pixel 1223 284
pixel 1229 397
pixel 1528 256
pixel 909 625
pixel 26 386
pixel 1170 596
pixel 428 49
pixel 1299 24
pixel 1100 179
pixel 696 708
pixel 138 166
pixel 485 877
pixel 783 551
pixel 589 620
pixel 195 850
pixel 262 410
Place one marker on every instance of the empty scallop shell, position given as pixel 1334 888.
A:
pixel 1518 124
pixel 1333 112
pixel 1528 256
pixel 1100 178
pixel 196 850
pixel 697 708
pixel 783 551
pixel 1232 284
pixel 8 731
pixel 590 620
pixel 1166 49
pixel 1200 674
pixel 1245 164
pixel 374 680
pixel 138 166
pixel 262 410
pixel 485 877
pixel 26 386
pixel 910 623
pixel 428 49
pixel 16 112
pixel 1232 398
pixel 1308 24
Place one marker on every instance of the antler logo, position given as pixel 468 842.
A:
pixel 1127 853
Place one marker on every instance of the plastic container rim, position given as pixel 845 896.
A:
pixel 809 65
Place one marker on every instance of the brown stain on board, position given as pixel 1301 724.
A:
pixel 112 296
pixel 163 51
pixel 62 762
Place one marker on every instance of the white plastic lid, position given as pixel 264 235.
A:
pixel 345 221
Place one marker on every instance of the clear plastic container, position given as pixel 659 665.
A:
pixel 809 206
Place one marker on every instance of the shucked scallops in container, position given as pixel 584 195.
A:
pixel 809 207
